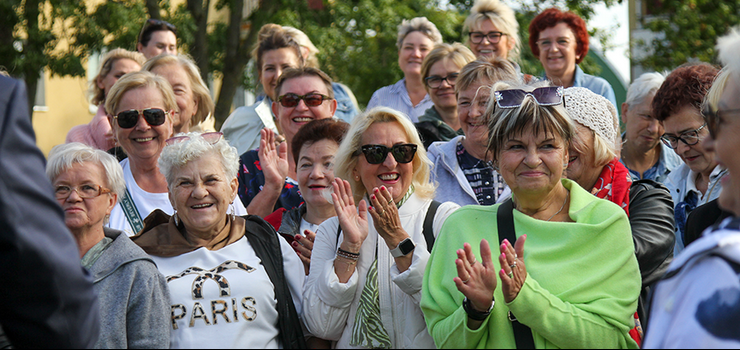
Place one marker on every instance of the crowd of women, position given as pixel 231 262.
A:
pixel 471 205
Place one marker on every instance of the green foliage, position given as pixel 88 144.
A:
pixel 687 31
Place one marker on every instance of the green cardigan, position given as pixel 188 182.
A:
pixel 582 282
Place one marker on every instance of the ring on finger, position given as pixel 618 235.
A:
pixel 511 274
pixel 473 263
pixel 513 266
pixel 381 213
pixel 390 201
pixel 466 281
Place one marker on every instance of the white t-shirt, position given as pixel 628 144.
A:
pixel 225 299
pixel 146 202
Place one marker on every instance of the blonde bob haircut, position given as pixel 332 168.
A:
pixel 98 95
pixel 505 123
pixel 456 53
pixel 502 17
pixel 135 80
pixel 201 93
pixel 349 151
pixel 418 24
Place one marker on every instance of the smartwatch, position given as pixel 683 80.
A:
pixel 404 248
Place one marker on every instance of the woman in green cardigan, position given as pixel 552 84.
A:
pixel 571 278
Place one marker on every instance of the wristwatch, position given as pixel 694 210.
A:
pixel 473 313
pixel 404 248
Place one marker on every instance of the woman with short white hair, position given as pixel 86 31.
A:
pixel 133 297
pixel 253 297
pixel 416 38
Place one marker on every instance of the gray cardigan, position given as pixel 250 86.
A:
pixel 133 295
pixel 452 186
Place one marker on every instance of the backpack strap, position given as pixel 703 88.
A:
pixel 428 230
pixel 505 223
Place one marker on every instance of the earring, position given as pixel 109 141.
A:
pixel 357 178
pixel 176 219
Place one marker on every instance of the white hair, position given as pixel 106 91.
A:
pixel 642 87
pixel 728 47
pixel 194 147
pixel 63 156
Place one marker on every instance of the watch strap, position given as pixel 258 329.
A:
pixel 398 251
pixel 475 314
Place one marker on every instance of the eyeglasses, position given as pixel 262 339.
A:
pixel 311 100
pixel 435 81
pixel 129 119
pixel 210 137
pixel 376 154
pixel 689 138
pixel 477 37
pixel 545 44
pixel 714 117
pixel 544 96
pixel 85 191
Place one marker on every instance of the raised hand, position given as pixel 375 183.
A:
pixel 353 220
pixel 385 217
pixel 513 272
pixel 273 160
pixel 303 245
pixel 476 280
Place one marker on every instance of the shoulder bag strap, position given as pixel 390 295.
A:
pixel 505 222
pixel 428 229
pixel 132 213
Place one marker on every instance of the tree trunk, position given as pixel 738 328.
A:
pixel 237 53
pixel 199 50
pixel 152 6
pixel 34 51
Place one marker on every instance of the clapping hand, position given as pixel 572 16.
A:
pixel 303 245
pixel 513 272
pixel 353 220
pixel 273 160
pixel 476 280
pixel 385 217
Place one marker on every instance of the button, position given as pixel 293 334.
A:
pixel 488 197
pixel 488 183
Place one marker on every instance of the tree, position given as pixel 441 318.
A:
pixel 686 31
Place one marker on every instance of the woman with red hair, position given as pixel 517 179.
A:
pixel 560 40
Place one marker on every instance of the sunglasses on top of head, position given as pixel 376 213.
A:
pixel 311 100
pixel 128 119
pixel 376 154
pixel 544 96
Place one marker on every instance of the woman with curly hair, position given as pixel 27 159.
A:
pixel 560 40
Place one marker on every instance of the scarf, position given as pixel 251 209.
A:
pixel 162 237
pixel 614 184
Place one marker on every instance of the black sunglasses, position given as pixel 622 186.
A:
pixel 153 116
pixel 311 100
pixel 376 154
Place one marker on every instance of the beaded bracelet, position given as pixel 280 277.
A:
pixel 348 256
pixel 340 250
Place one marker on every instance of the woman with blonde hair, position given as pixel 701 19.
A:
pixel 416 38
pixel 191 92
pixel 98 133
pixel 492 30
pixel 367 263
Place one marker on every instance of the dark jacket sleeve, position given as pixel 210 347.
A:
pixel 652 223
pixel 47 297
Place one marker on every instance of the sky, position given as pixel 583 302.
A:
pixel 606 18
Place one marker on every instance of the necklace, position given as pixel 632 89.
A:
pixel 567 193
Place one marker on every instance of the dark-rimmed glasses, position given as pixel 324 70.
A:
pixel 210 137
pixel 714 117
pixel 311 100
pixel 477 37
pixel 435 81
pixel 376 154
pixel 544 96
pixel 690 137
pixel 85 191
pixel 153 116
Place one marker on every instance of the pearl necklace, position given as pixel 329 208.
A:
pixel 567 193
